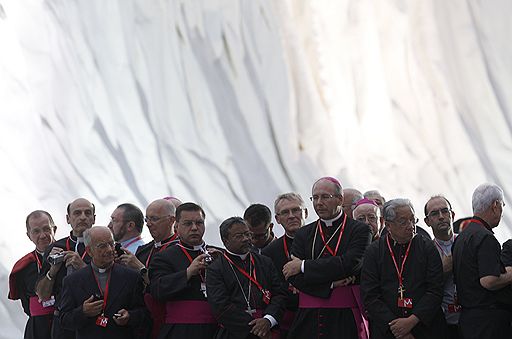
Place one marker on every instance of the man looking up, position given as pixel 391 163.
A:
pixel 103 299
pixel 126 224
pixel 178 279
pixel 402 279
pixel 326 255
pixel 22 280
pixel 259 219
pixel 244 290
pixel 80 216
pixel 291 213
pixel 439 216
pixel 479 275
pixel 367 211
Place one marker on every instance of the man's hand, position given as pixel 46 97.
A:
pixel 401 327
pixel 73 259
pixel 260 327
pixel 128 259
pixel 196 265
pixel 447 263
pixel 292 267
pixel 122 320
pixel 55 268
pixel 344 282
pixel 92 308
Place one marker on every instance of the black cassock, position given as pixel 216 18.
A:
pixel 168 275
pixel 227 300
pixel 279 252
pixel 422 280
pixel 68 244
pixel 22 282
pixel 321 269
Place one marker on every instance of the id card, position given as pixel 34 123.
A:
pixel 454 308
pixel 266 296
pixel 102 321
pixel 48 303
pixel 405 302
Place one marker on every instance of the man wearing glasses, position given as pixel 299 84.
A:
pixel 126 223
pixel 367 211
pixel 291 213
pixel 103 299
pixel 439 216
pixel 481 278
pixel 259 218
pixel 402 279
pixel 326 255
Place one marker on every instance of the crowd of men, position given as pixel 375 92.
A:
pixel 362 269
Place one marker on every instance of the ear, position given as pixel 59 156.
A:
pixel 28 235
pixel 67 219
pixel 305 213
pixel 131 225
pixel 426 221
pixel 271 226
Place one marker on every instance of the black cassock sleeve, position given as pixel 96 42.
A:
pixel 167 280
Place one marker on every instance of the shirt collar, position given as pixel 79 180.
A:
pixel 241 256
pixel 330 222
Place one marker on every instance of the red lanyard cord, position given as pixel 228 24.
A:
pixel 400 271
pixel 105 293
pixel 252 277
pixel 189 257
pixel 326 244
pixel 68 248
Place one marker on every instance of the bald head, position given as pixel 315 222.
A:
pixel 80 216
pixel 175 201
pixel 99 243
pixel 160 217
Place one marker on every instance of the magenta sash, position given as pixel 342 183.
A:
pixel 157 310
pixel 188 312
pixel 341 297
pixel 36 307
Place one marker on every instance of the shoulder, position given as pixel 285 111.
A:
pixel 125 271
pixel 78 276
pixel 304 231
pixel 273 246
pixel 145 248
pixel 358 226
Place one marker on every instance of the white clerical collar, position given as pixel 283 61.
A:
pixel 40 253
pixel 445 242
pixel 329 222
pixel 241 256
pixel 79 240
pixel 288 236
pixel 100 270
pixel 201 247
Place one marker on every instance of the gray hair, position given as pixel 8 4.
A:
pixel 372 193
pixel 292 196
pixel 484 196
pixel 390 207
pixel 87 237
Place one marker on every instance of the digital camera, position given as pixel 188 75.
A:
pixel 56 258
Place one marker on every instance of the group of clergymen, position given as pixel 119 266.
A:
pixel 363 269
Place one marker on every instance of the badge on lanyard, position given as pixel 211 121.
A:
pixel 203 289
pixel 405 302
pixel 266 296
pixel 102 321
pixel 48 303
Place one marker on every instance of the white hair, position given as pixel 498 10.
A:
pixel 484 196
pixel 389 213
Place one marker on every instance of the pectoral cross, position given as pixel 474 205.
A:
pixel 401 291
pixel 250 310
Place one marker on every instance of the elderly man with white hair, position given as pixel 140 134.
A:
pixel 479 274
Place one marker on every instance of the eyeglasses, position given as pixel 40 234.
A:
pixel 154 219
pixel 189 223
pixel 437 213
pixel 239 236
pixel 104 245
pixel 322 196
pixel 405 222
pixel 294 211
pixel 370 218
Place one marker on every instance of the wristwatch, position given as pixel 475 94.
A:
pixel 143 271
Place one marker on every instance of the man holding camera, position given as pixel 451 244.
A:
pixel 64 257
pixel 103 299
pixel 177 277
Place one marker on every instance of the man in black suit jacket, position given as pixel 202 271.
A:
pixel 103 299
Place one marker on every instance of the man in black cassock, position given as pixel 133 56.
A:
pixel 177 278
pixel 259 219
pixel 326 258
pixel 402 280
pixel 103 300
pixel 483 283
pixel 244 291
pixel 22 280
pixel 291 213
pixel 160 220
pixel 80 216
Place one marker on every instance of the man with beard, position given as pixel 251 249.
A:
pixel 22 280
pixel 402 280
pixel 326 256
pixel 64 257
pixel 160 219
pixel 244 290
pixel 103 299
pixel 479 274
pixel 439 216
pixel 291 213
pixel 178 279
pixel 126 223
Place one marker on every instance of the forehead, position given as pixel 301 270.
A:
pixel 436 203
pixel 80 204
pixel 101 235
pixel 365 209
pixel 191 215
pixel 238 228
pixel 155 208
pixel 288 203
pixel 39 220
pixel 118 212
pixel 403 212
pixel 324 186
